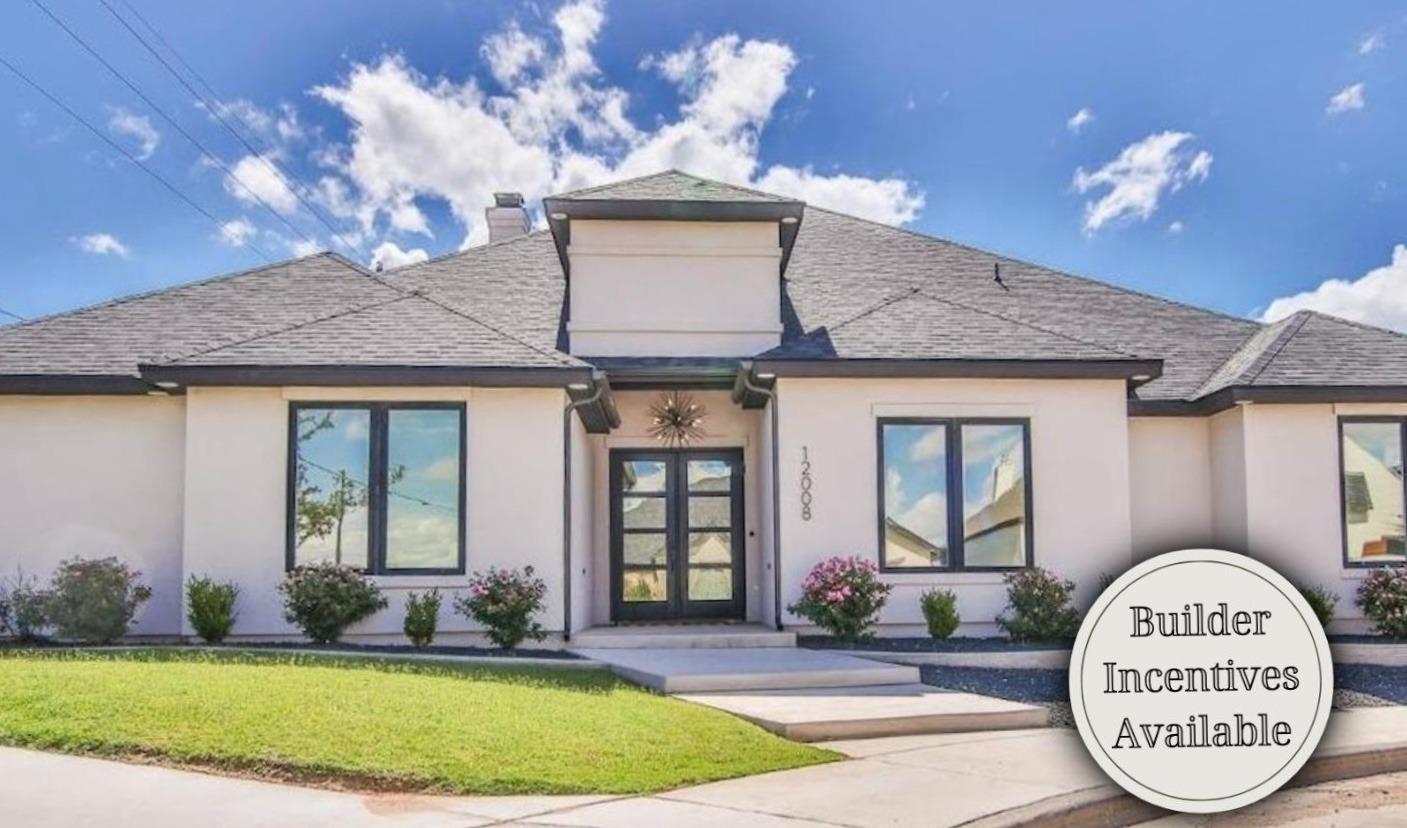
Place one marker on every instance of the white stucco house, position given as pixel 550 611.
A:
pixel 860 390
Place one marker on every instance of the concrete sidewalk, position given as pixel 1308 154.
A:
pixel 995 778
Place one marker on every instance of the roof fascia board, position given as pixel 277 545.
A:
pixel 1267 395
pixel 72 384
pixel 354 375
pixel 973 368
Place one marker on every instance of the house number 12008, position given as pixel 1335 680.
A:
pixel 805 483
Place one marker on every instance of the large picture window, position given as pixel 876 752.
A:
pixel 378 486
pixel 954 494
pixel 1373 492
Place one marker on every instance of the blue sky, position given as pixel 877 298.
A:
pixel 1233 153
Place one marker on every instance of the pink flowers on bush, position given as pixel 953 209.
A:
pixel 505 601
pixel 843 596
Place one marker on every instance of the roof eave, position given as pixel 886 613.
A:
pixel 1227 398
pixel 366 375
pixel 73 384
pixel 1140 370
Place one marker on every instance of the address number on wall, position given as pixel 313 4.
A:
pixel 805 483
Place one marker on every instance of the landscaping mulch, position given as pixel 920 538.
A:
pixel 929 645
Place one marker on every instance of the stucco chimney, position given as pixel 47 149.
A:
pixel 507 218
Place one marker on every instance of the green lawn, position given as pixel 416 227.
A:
pixel 381 724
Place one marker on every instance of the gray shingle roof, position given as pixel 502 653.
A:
pixel 113 337
pixel 854 290
pixel 670 185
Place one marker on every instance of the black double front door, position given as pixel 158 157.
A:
pixel 676 534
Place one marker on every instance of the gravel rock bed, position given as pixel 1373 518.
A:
pixel 331 649
pixel 1358 685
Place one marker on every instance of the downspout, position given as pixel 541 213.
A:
pixel 567 503
pixel 776 498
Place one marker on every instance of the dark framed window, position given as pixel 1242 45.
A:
pixel 1372 492
pixel 954 494
pixel 379 486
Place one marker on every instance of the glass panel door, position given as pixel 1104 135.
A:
pixel 676 535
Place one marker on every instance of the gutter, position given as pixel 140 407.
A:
pixel 745 379
pixel 599 391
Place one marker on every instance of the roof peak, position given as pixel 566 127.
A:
pixel 670 185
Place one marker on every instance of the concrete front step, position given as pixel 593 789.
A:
pixel 752 668
pixel 682 637
pixel 817 715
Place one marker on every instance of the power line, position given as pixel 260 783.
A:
pixel 13 316
pixel 218 109
pixel 122 150
pixel 174 125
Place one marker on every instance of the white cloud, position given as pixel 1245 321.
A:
pixel 253 180
pixel 237 232
pixel 1141 174
pixel 1371 43
pixel 1378 297
pixel 389 255
pixel 930 446
pixel 136 127
pixel 101 244
pixel 927 518
pixel 1346 99
pixel 555 124
pixel 1176 228
pixel 1077 122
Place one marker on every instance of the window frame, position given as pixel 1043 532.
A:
pixel 378 454
pixel 954 481
pixel 1394 419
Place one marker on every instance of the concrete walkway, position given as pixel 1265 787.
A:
pixel 1002 778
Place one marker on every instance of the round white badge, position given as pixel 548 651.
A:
pixel 1201 681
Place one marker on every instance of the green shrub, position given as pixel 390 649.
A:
pixel 1039 606
pixel 940 610
pixel 324 599
pixel 422 616
pixel 1106 580
pixel 1322 601
pixel 94 600
pixel 505 601
pixel 843 596
pixel 210 608
pixel 1383 597
pixel 26 606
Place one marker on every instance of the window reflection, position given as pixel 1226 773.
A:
pixel 1373 492
pixel 423 489
pixel 331 469
pixel 915 495
pixel 994 495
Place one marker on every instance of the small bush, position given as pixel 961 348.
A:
pixel 324 599
pixel 422 616
pixel 1383 597
pixel 1322 601
pixel 94 600
pixel 1039 606
pixel 940 610
pixel 842 596
pixel 1106 580
pixel 4 613
pixel 27 607
pixel 505 601
pixel 210 608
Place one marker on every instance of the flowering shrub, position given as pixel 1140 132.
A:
pixel 940 610
pixel 842 596
pixel 1040 607
pixel 323 599
pixel 505 601
pixel 1383 597
pixel 422 617
pixel 210 608
pixel 94 600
